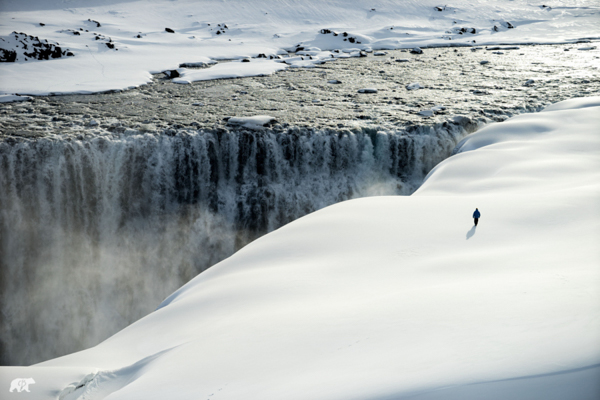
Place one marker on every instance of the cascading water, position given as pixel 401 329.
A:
pixel 95 233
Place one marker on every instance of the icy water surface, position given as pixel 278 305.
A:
pixel 110 202
pixel 453 78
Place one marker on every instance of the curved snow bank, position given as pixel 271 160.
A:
pixel 393 297
pixel 549 151
pixel 116 44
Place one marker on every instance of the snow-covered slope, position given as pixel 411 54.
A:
pixel 116 44
pixel 392 297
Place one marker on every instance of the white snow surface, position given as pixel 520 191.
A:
pixel 391 297
pixel 255 122
pixel 229 70
pixel 269 27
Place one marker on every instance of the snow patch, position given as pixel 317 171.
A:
pixel 10 98
pixel 414 86
pixel 234 69
pixel 255 122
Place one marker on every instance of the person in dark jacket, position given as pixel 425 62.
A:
pixel 476 216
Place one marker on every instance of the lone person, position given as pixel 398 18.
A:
pixel 476 216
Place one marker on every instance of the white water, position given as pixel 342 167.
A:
pixel 95 234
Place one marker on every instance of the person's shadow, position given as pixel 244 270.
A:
pixel 471 232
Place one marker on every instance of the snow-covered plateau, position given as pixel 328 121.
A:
pixel 115 44
pixel 342 131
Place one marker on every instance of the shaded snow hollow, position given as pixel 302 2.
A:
pixel 117 44
pixel 392 297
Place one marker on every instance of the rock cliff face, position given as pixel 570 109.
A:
pixel 90 222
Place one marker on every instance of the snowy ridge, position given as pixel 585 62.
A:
pixel 117 44
pixel 402 300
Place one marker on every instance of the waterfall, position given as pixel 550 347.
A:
pixel 95 233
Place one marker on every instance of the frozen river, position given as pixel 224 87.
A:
pixel 453 78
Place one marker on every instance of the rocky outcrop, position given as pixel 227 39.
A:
pixel 19 46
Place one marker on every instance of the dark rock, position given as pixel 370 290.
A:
pixel 325 31
pixel 439 8
pixel 41 24
pixel 505 24
pixel 96 22
pixel 39 50
pixel 110 45
pixel 172 73
pixel 261 55
pixel 7 55
pixel 246 60
pixel 169 30
pixel 465 30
